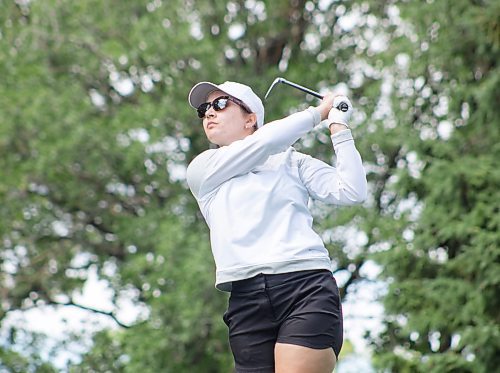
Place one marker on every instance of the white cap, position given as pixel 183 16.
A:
pixel 200 92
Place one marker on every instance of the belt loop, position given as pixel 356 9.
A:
pixel 266 286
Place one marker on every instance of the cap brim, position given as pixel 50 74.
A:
pixel 200 92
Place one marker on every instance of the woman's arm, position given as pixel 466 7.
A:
pixel 344 184
pixel 213 167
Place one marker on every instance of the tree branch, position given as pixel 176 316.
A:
pixel 101 312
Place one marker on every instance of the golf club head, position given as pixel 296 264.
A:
pixel 276 81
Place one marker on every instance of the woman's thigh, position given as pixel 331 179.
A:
pixel 252 331
pixel 291 358
pixel 310 312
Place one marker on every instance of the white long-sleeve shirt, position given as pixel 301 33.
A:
pixel 254 197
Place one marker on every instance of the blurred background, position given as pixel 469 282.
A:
pixel 105 264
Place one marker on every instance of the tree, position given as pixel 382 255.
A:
pixel 443 267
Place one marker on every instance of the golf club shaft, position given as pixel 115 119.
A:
pixel 302 88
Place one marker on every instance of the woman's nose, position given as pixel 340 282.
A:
pixel 210 112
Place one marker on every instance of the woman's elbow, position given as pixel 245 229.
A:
pixel 361 197
pixel 357 196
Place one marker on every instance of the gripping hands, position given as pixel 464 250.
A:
pixel 341 111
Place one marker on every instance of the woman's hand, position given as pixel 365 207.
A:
pixel 341 111
pixel 325 105
pixel 337 116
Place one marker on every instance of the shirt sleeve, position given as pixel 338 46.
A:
pixel 213 167
pixel 344 184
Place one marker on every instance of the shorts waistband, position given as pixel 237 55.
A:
pixel 265 281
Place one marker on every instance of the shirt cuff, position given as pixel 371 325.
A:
pixel 342 136
pixel 316 115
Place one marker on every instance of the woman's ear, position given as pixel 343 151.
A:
pixel 251 120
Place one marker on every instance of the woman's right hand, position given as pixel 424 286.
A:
pixel 325 105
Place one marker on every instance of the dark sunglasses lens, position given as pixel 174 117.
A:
pixel 202 109
pixel 220 103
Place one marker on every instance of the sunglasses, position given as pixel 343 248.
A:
pixel 220 103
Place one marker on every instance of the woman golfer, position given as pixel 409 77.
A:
pixel 284 312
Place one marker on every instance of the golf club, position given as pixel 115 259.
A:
pixel 295 85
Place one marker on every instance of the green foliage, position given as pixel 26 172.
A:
pixel 441 307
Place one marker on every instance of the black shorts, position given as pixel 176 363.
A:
pixel 301 308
